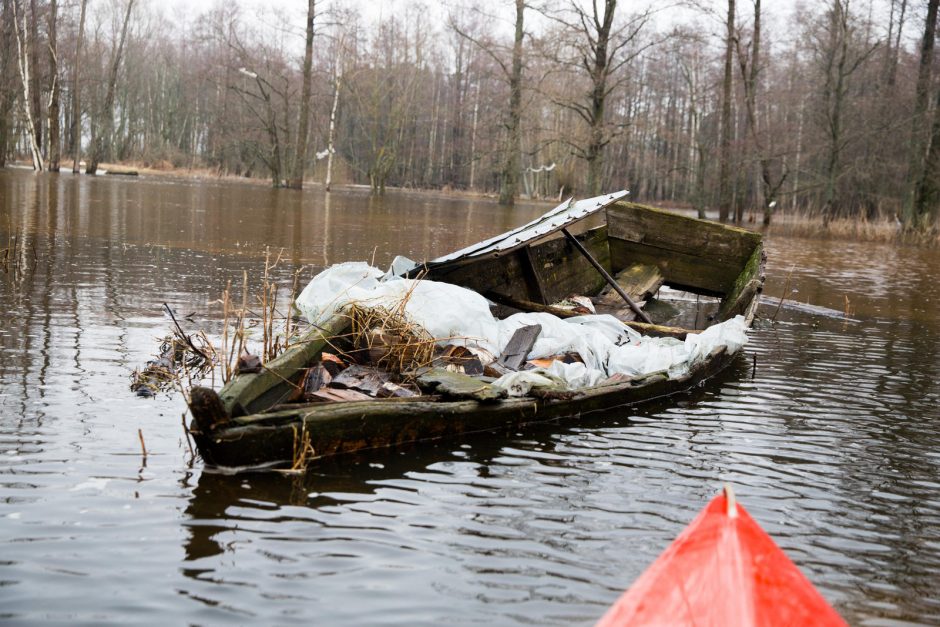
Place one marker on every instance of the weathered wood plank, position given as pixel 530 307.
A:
pixel 668 231
pixel 654 330
pixel 561 271
pixel 456 385
pixel 680 270
pixel 744 293
pixel 340 395
pixel 640 281
pixel 248 393
pixel 521 342
pixel 207 409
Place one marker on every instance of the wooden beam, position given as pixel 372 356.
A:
pixel 610 280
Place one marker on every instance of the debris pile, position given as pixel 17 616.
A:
pixel 417 335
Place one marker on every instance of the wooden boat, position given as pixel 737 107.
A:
pixel 528 269
pixel 723 569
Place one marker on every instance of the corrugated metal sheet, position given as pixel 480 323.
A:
pixel 561 216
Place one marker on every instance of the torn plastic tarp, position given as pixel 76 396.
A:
pixel 459 316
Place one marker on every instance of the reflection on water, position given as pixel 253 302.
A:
pixel 833 444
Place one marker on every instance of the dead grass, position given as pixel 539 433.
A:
pixel 881 230
pixel 393 341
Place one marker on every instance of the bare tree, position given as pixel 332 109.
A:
pixel 7 83
pixel 23 47
pixel 913 202
pixel 76 132
pixel 106 113
pixel 54 89
pixel 512 73
pixel 750 64
pixel 841 55
pixel 300 156
pixel 724 176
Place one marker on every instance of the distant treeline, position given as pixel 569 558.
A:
pixel 832 110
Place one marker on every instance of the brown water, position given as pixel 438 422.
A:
pixel 834 445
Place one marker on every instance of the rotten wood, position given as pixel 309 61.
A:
pixel 339 395
pixel 456 385
pixel 339 428
pixel 250 393
pixel 610 280
pixel 641 281
pixel 654 330
pixel 517 350
pixel 207 409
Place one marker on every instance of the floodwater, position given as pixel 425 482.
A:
pixel 833 442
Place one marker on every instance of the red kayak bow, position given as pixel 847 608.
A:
pixel 723 569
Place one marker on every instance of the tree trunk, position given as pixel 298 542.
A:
pixel 300 156
pixel 7 92
pixel 911 208
pixel 927 199
pixel 329 143
pixel 54 142
pixel 76 94
pixel 23 61
pixel 594 155
pixel 510 182
pixel 34 82
pixel 724 166
pixel 106 115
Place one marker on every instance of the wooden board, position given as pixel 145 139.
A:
pixel 640 281
pixel 521 342
pixel 672 232
pixel 545 273
pixel 456 385
pixel 694 255
pixel 744 294
pixel 279 378
pixel 680 270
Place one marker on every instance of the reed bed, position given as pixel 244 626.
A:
pixel 885 230
pixel 248 323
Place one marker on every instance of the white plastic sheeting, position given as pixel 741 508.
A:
pixel 456 315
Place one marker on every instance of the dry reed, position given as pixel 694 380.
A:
pixel 303 449
pixel 393 341
pixel 886 230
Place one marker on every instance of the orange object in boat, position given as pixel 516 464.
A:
pixel 723 569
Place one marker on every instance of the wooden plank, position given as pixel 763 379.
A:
pixel 640 281
pixel 607 278
pixel 681 270
pixel 521 342
pixel 654 330
pixel 565 272
pixel 248 393
pixel 668 231
pixel 560 269
pixel 456 385
pixel 531 272
pixel 748 285
pixel 339 395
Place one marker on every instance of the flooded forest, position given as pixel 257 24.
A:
pixel 822 108
pixel 666 248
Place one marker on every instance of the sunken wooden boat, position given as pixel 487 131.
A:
pixel 714 271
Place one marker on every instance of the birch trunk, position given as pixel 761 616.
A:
pixel 23 57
